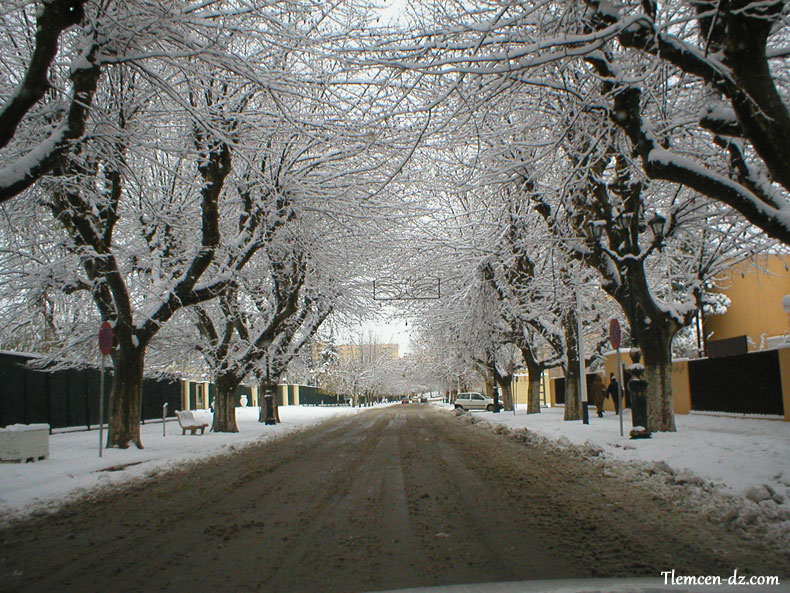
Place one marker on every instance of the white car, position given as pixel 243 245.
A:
pixel 474 401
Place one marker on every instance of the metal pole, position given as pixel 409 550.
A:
pixel 619 390
pixel 101 408
pixel 582 365
pixel 164 419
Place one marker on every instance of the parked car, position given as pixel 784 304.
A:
pixel 474 401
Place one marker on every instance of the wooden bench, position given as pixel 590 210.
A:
pixel 188 422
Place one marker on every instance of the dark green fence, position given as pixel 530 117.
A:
pixel 68 398
pixel 313 396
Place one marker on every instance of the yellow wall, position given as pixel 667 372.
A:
pixel 755 289
pixel 681 387
pixel 202 402
pixel 680 380
pixel 520 387
pixel 283 389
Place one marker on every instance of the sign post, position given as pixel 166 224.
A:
pixel 106 338
pixel 582 364
pixel 614 339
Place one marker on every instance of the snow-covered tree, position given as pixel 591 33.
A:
pixel 142 196
pixel 699 87
pixel 728 59
pixel 255 330
pixel 542 91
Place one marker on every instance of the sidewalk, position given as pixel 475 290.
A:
pixel 75 468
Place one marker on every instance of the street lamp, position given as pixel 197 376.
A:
pixel 596 228
pixel 656 224
pixel 627 218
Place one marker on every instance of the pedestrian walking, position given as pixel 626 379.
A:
pixel 598 394
pixel 613 391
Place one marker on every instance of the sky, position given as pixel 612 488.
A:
pixel 395 331
pixel 391 10
pixel 390 327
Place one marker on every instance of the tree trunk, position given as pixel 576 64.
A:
pixel 533 398
pixel 534 372
pixel 505 383
pixel 573 405
pixel 656 346
pixel 126 396
pixel 489 385
pixel 225 403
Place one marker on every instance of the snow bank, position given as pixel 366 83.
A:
pixel 74 466
pixel 732 468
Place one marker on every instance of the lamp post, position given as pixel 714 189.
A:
pixel 656 224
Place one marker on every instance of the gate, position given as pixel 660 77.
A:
pixel 743 384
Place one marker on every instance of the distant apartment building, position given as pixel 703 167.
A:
pixel 347 352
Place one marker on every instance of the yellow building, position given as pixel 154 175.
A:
pixel 755 319
pixel 520 388
pixel 355 351
pixel 756 289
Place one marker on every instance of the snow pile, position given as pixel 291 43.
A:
pixel 734 470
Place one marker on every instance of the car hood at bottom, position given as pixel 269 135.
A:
pixel 625 585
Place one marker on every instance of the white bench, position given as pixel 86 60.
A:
pixel 189 422
pixel 24 442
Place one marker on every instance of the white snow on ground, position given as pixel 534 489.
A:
pixel 741 465
pixel 735 469
pixel 734 452
pixel 74 466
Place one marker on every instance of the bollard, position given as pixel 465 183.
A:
pixel 638 389
pixel 164 419
pixel 269 399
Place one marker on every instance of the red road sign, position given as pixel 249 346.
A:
pixel 106 338
pixel 614 333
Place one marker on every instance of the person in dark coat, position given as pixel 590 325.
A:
pixel 613 391
pixel 598 394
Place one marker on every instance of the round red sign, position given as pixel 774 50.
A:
pixel 614 333
pixel 106 338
